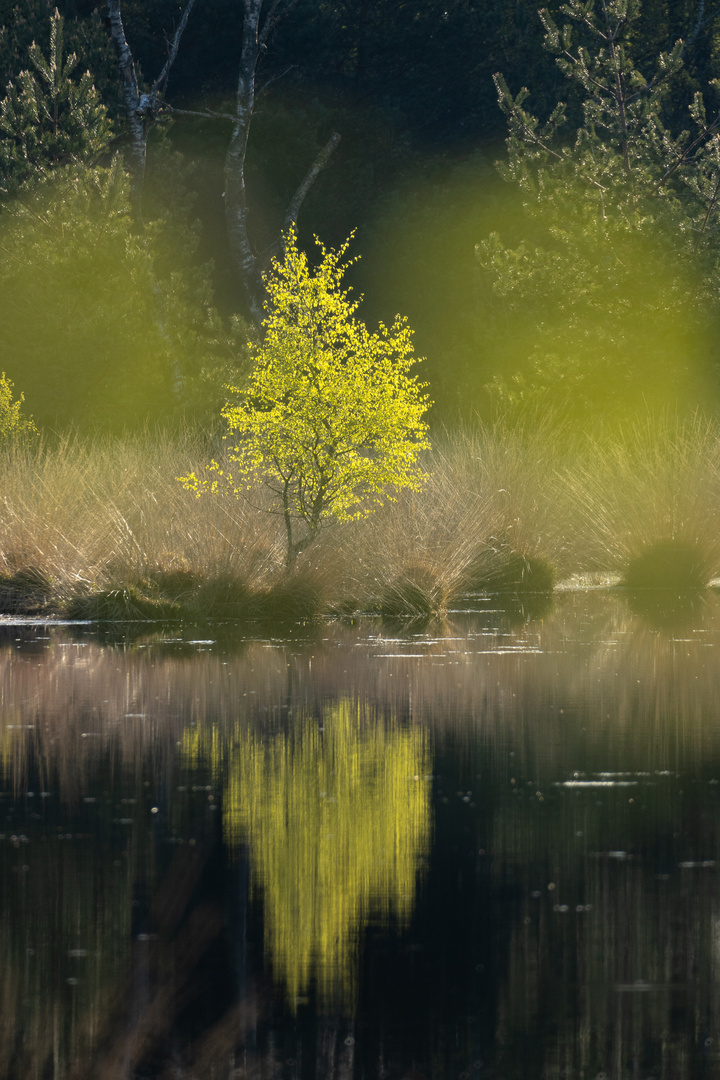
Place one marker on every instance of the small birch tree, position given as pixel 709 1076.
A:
pixel 331 421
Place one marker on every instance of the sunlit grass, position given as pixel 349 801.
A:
pixel 99 517
pixel 102 529
pixel 484 515
pixel 646 504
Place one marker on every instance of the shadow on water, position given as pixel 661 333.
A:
pixel 668 609
pixel 487 846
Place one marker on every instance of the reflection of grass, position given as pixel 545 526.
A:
pixel 651 708
pixel 102 529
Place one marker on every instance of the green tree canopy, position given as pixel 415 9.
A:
pixel 14 424
pixel 331 420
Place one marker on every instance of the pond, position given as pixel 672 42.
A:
pixel 486 847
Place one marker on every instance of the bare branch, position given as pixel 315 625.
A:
pixel 273 18
pixel 206 114
pixel 159 85
pixel 685 156
pixel 274 78
pixel 712 204
pixel 310 177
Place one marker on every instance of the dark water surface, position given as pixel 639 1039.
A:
pixel 482 848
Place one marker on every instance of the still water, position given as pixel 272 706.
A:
pixel 487 847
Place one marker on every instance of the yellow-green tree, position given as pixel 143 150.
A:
pixel 331 420
pixel 14 424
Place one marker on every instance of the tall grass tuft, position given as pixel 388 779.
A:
pixel 647 504
pixel 106 527
pixel 484 520
pixel 101 529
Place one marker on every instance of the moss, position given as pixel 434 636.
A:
pixel 118 605
pixel 291 599
pixel 183 595
pixel 223 596
pixel 173 584
pixel 668 564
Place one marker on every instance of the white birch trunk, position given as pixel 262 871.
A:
pixel 246 261
pixel 141 109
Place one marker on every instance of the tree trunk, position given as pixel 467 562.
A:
pixel 247 263
pixel 141 109
pixel 133 111
pixel 236 207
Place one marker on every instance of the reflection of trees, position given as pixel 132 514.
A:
pixel 337 816
pixel 64 928
pixel 594 687
pixel 627 986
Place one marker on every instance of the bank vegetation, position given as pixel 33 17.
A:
pixel 101 529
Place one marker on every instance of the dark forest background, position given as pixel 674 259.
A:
pixel 409 88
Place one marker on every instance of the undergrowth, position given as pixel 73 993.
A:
pixel 101 529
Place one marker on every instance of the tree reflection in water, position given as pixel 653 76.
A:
pixel 336 812
pixel 547 906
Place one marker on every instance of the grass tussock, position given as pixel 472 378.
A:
pixel 647 505
pixel 109 533
pixel 670 564
pixel 483 522
pixel 102 529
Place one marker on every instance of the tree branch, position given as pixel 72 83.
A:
pixel 698 26
pixel 206 114
pixel 273 18
pixel 274 78
pixel 310 177
pixel 158 87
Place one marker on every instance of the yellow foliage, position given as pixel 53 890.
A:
pixel 331 420
pixel 12 422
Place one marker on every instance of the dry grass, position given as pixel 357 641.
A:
pixel 103 529
pixel 103 517
pixel 647 504
pixel 484 520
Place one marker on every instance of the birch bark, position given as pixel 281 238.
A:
pixel 141 109
pixel 256 32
